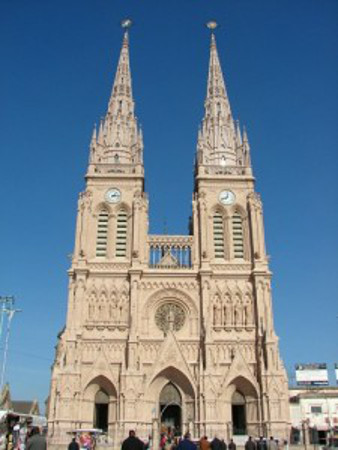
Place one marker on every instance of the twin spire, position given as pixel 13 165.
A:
pixel 220 141
pixel 119 139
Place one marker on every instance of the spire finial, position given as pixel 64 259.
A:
pixel 126 24
pixel 212 25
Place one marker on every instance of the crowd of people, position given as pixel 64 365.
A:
pixel 169 441
pixel 23 438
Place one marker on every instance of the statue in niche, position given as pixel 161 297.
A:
pixel 238 314
pixel 217 311
pixel 248 313
pixel 91 311
pixel 113 307
pixel 121 308
pixel 225 315
pixel 228 310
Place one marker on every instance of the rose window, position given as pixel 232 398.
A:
pixel 170 315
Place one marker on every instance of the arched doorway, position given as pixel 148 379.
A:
pixel 244 409
pixel 238 413
pixel 171 409
pixel 101 410
pixel 174 384
pixel 99 407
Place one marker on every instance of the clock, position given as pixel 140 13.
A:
pixel 226 197
pixel 113 195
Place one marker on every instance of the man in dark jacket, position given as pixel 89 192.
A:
pixel 261 444
pixel 250 444
pixel 216 444
pixel 36 441
pixel 132 442
pixel 73 445
pixel 232 445
pixel 186 443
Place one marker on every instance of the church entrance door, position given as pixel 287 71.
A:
pixel 101 410
pixel 171 409
pixel 238 414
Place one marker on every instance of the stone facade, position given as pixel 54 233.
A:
pixel 169 330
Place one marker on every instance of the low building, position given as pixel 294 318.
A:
pixel 314 415
pixel 20 407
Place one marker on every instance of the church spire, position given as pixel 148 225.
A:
pixel 219 140
pixel 119 139
pixel 122 91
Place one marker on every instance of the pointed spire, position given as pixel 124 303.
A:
pixel 216 92
pixel 119 140
pixel 121 95
pixel 238 134
pixel 218 137
pixel 93 140
pixel 92 147
pixel 246 149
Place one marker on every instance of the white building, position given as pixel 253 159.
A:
pixel 314 415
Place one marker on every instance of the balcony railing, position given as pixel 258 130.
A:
pixel 170 252
pixel 224 170
pixel 111 168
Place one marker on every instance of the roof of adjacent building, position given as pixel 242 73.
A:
pixel 25 407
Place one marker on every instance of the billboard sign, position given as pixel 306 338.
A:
pixel 312 375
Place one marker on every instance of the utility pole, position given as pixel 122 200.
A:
pixel 6 309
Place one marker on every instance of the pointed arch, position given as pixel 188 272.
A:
pixel 102 394
pixel 99 382
pixel 243 396
pixel 175 376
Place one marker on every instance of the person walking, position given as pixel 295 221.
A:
pixel 132 442
pixel 36 441
pixel 232 445
pixel 261 443
pixel 186 443
pixel 250 444
pixel 272 444
pixel 216 443
pixel 74 445
pixel 204 443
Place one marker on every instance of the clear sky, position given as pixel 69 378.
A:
pixel 281 68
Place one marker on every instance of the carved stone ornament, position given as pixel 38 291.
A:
pixel 170 313
pixel 85 200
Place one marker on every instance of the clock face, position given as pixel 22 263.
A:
pixel 226 197
pixel 113 195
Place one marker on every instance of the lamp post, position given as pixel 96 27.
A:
pixel 10 313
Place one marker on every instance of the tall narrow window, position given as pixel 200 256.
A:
pixel 121 233
pixel 237 235
pixel 218 235
pixel 102 233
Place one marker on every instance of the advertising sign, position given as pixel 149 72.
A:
pixel 312 375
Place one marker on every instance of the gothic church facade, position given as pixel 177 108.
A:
pixel 169 331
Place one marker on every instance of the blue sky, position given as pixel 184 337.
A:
pixel 58 63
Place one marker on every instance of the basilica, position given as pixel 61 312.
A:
pixel 169 331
